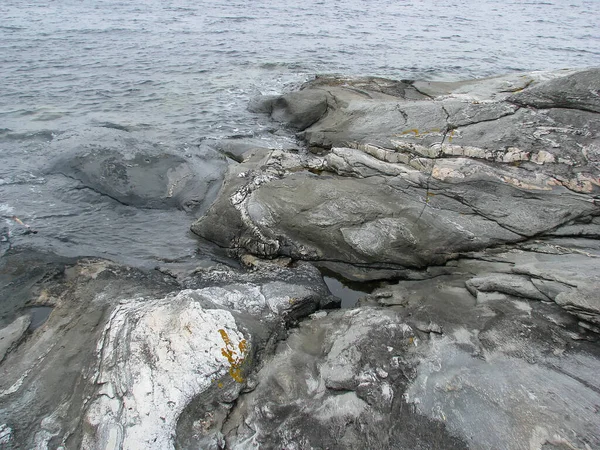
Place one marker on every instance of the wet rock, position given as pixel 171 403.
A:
pixel 12 334
pixel 408 181
pixel 43 383
pixel 480 197
pixel 298 110
pixel 138 173
pixel 132 358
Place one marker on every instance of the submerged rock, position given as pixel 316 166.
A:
pixel 138 173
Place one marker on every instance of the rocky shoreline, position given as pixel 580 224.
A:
pixel 473 206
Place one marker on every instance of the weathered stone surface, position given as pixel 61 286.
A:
pixel 488 211
pixel 43 384
pixel 479 198
pixel 138 173
pixel 129 359
pixel 437 368
pixel 12 334
pixel 580 90
pixel 412 180
pixel 300 110
pixel 337 382
pixel 173 353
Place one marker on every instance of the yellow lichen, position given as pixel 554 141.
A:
pixel 234 358
pixel 450 136
pixel 413 130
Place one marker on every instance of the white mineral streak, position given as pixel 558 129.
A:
pixel 5 434
pixel 154 357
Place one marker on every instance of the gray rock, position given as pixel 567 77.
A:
pixel 138 173
pixel 507 284
pixel 300 109
pixel 129 358
pixel 12 334
pixel 580 90
pixel 347 380
pixel 337 382
pixel 485 209
pixel 410 179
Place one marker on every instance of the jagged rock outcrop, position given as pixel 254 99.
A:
pixel 426 364
pixel 482 197
pixel 477 202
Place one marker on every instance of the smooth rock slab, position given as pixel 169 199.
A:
pixel 407 181
pixel 11 334
pixel 139 173
pixel 580 90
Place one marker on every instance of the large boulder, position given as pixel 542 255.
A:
pixel 406 181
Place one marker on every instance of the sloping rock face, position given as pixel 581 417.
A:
pixel 475 201
pixel 454 360
pixel 482 198
pixel 410 174
pixel 128 359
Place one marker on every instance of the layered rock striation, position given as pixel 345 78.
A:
pixel 410 174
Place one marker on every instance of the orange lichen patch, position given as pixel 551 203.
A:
pixel 235 359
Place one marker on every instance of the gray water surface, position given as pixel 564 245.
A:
pixel 179 73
